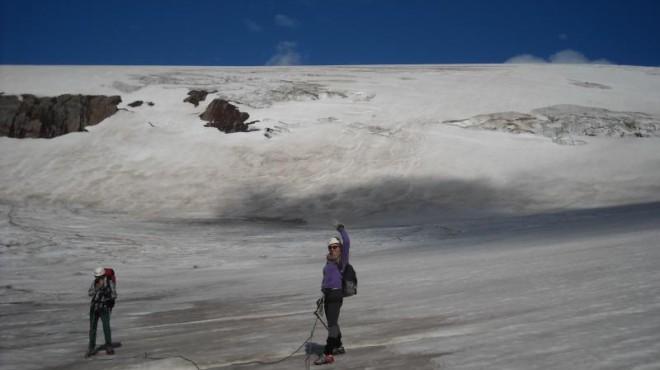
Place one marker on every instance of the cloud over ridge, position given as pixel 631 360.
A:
pixel 566 56
pixel 286 55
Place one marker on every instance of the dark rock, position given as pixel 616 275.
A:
pixel 136 103
pixel 195 96
pixel 48 117
pixel 9 106
pixel 278 129
pixel 269 132
pixel 225 117
pixel 99 107
pixel 150 103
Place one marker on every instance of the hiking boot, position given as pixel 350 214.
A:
pixel 325 359
pixel 109 350
pixel 338 351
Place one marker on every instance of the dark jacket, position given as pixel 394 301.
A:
pixel 103 295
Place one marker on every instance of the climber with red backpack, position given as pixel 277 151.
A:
pixel 104 293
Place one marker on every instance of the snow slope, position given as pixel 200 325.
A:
pixel 474 248
pixel 369 137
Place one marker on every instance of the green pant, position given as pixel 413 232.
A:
pixel 94 314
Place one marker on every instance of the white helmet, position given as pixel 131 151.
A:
pixel 334 240
pixel 100 271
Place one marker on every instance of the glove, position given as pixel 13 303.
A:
pixel 339 227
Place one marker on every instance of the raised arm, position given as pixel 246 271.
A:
pixel 346 245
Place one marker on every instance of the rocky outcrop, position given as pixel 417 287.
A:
pixel 195 96
pixel 225 117
pixel 566 123
pixel 592 121
pixel 28 116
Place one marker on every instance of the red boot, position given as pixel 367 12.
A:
pixel 325 360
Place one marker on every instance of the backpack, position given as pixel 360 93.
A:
pixel 349 281
pixel 110 274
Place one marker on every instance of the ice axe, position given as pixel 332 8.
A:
pixel 319 311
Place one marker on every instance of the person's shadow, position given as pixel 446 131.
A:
pixel 312 348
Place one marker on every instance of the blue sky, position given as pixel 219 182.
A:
pixel 314 32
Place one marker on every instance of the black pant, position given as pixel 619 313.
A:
pixel 94 314
pixel 332 305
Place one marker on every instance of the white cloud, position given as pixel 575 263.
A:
pixel 252 25
pixel 566 56
pixel 285 21
pixel 286 55
pixel 525 59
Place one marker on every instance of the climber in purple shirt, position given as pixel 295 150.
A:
pixel 333 296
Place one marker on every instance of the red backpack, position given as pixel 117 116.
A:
pixel 110 274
